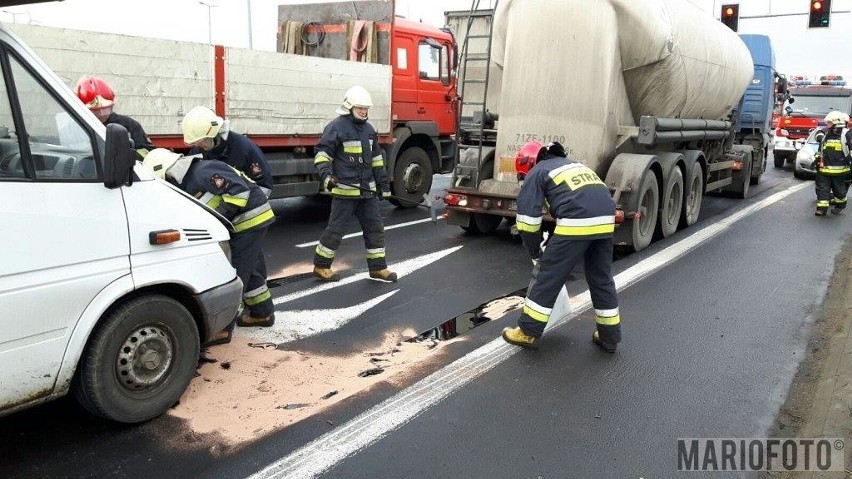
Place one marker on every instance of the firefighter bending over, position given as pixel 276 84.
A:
pixel 832 163
pixel 350 165
pixel 243 203
pixel 584 212
pixel 97 95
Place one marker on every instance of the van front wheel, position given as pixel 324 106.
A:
pixel 139 360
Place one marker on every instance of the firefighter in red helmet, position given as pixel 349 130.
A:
pixel 97 95
pixel 584 212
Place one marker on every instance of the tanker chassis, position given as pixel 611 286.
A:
pixel 632 91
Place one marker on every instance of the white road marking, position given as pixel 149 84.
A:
pixel 391 227
pixel 401 269
pixel 293 325
pixel 326 451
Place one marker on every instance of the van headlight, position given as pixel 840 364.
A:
pixel 226 248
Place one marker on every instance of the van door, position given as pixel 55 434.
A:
pixel 64 234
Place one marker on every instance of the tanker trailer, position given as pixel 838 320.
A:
pixel 645 93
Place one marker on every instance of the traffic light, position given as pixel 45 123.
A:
pixel 731 15
pixel 819 15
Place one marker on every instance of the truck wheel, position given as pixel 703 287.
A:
pixel 742 178
pixel 779 160
pixel 672 205
pixel 481 223
pixel 649 198
pixel 139 361
pixel 412 177
pixel 694 195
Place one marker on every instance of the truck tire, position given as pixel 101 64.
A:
pixel 693 196
pixel 642 230
pixel 412 177
pixel 139 360
pixel 672 204
pixel 481 223
pixel 778 159
pixel 742 178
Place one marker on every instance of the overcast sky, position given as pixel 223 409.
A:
pixel 798 50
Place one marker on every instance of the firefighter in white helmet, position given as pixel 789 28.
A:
pixel 351 167
pixel 832 163
pixel 211 135
pixel 241 201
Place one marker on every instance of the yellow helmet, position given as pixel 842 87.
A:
pixel 160 160
pixel 200 123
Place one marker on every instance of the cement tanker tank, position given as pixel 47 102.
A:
pixel 587 70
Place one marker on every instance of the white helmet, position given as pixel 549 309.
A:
pixel 160 160
pixel 200 123
pixel 836 118
pixel 355 96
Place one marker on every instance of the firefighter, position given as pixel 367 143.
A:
pixel 241 201
pixel 832 164
pixel 350 166
pixel 584 212
pixel 211 135
pixel 97 95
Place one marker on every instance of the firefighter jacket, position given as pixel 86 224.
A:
pixel 834 151
pixel 575 197
pixel 137 133
pixel 241 153
pixel 350 151
pixel 228 191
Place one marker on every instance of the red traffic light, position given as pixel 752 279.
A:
pixel 816 5
pixel 729 12
pixel 820 14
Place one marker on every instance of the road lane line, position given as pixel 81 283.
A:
pixel 391 227
pixel 331 448
pixel 401 269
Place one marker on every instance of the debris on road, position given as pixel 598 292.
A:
pixel 371 372
pixel 329 395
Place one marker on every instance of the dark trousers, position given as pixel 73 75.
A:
pixel 366 210
pixel 559 259
pixel 826 185
pixel 247 258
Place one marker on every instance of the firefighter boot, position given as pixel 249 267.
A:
pixel 838 211
pixel 247 321
pixel 224 336
pixel 518 337
pixel 608 347
pixel 326 274
pixel 384 275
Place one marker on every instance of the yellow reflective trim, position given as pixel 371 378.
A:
pixel 241 202
pixel 608 320
pixel 345 192
pixel 215 201
pixel 321 251
pixel 259 219
pixel 822 203
pixel 378 163
pixel 375 255
pixel 527 227
pixel 354 150
pixel 584 230
pixel 535 314
pixel 258 299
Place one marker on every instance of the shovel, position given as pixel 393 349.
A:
pixel 427 202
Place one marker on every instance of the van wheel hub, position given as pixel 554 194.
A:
pixel 144 358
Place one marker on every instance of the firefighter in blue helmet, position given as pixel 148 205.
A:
pixel 350 165
pixel 211 135
pixel 832 163
pixel 584 212
pixel 240 200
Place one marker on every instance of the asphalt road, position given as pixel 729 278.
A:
pixel 712 340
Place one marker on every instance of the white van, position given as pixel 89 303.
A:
pixel 110 279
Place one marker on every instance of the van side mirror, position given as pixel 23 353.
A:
pixel 119 157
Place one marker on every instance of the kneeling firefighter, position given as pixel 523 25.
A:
pixel 240 200
pixel 584 212
pixel 832 163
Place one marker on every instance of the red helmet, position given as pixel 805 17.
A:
pixel 97 95
pixel 527 157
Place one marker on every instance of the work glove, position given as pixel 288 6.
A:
pixel 329 182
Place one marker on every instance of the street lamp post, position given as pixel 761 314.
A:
pixel 248 4
pixel 209 6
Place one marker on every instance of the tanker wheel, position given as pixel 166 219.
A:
pixel 742 178
pixel 642 231
pixel 693 197
pixel 672 205
pixel 412 177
